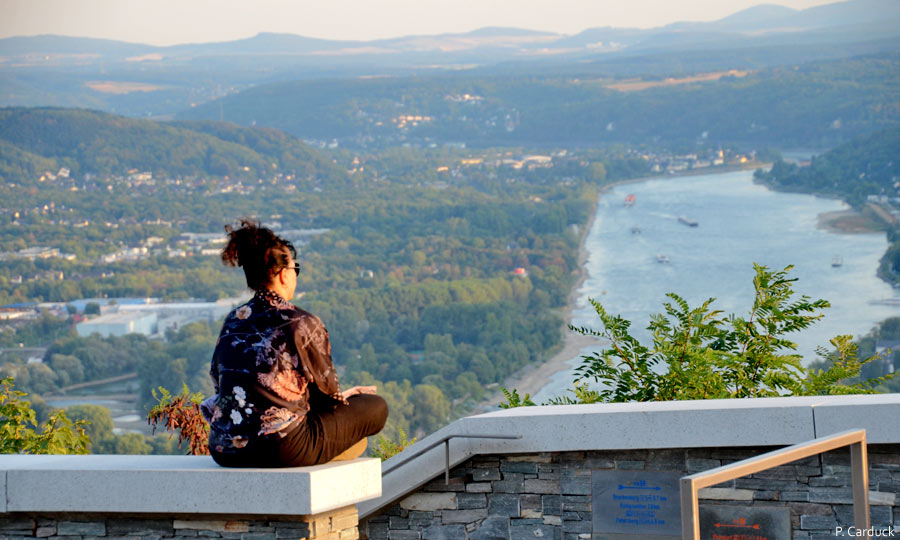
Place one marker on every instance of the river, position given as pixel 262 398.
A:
pixel 738 223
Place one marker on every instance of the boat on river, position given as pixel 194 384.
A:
pixel 662 259
pixel 687 221
pixel 837 261
pixel 629 200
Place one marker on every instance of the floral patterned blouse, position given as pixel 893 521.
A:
pixel 268 354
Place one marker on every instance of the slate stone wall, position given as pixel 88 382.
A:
pixel 548 496
pixel 338 524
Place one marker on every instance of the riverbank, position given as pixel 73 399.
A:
pixel 851 221
pixel 848 222
pixel 534 377
pixel 721 169
pixel 872 218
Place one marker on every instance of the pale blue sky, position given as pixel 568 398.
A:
pixel 167 22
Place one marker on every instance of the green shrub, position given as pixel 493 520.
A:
pixel 700 353
pixel 20 432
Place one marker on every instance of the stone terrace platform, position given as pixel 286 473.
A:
pixel 543 484
pixel 180 496
pixel 536 485
pixel 725 423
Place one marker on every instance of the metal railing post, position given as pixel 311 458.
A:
pixel 447 462
pixel 690 511
pixel 446 442
pixel 859 467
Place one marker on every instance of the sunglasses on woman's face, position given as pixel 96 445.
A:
pixel 295 268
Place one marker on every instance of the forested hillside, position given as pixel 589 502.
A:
pixel 816 104
pixel 100 144
pixel 853 171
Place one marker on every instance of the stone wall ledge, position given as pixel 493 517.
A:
pixel 760 422
pixel 179 485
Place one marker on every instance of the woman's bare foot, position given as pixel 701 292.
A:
pixel 353 452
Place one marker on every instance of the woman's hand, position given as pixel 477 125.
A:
pixel 356 390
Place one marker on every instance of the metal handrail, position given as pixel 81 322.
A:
pixel 446 442
pixel 855 439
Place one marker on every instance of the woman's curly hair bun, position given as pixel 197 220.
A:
pixel 258 250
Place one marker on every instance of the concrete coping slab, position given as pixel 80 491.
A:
pixel 655 425
pixel 170 485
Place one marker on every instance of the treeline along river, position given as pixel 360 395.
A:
pixel 637 253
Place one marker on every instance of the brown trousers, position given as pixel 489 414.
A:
pixel 317 439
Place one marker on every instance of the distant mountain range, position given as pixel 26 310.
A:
pixel 850 20
pixel 205 80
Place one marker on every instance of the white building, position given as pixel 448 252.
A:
pixel 191 311
pixel 119 324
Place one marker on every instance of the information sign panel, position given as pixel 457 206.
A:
pixel 720 522
pixel 636 503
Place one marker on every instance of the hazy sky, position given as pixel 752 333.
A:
pixel 167 22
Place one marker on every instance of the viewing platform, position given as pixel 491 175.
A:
pixel 727 423
pixel 584 472
pixel 580 472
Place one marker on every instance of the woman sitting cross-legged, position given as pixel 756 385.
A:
pixel 278 402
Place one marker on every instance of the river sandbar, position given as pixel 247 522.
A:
pixel 848 222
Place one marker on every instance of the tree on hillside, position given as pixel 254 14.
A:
pixel 132 444
pixel 98 424
pixel 68 368
pixel 431 410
